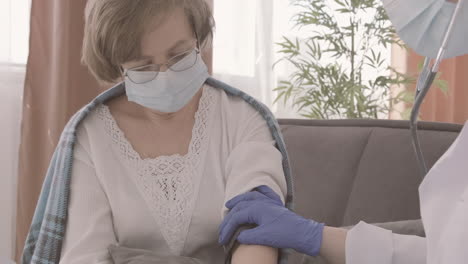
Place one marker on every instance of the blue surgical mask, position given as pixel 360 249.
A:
pixel 170 91
pixel 422 25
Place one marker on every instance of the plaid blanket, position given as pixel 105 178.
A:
pixel 45 237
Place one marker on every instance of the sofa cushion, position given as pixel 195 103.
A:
pixel 346 171
pixel 324 161
pixel 386 184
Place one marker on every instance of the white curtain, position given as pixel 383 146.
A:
pixel 14 29
pixel 244 47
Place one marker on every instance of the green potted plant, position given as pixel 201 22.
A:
pixel 339 69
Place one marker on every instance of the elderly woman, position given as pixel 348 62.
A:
pixel 153 168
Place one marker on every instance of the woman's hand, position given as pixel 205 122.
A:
pixel 278 227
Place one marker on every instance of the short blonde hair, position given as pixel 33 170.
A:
pixel 112 26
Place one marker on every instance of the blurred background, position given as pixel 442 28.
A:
pixel 315 59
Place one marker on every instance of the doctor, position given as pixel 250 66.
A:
pixel 443 193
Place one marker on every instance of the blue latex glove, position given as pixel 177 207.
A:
pixel 278 227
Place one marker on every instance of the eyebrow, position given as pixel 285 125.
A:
pixel 179 44
pixel 174 47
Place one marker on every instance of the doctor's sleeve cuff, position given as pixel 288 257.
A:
pixel 370 244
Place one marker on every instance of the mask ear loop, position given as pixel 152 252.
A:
pixel 425 80
pixel 198 41
pixel 123 72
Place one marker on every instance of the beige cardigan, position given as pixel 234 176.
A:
pixel 171 205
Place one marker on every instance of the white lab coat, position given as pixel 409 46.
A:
pixel 444 211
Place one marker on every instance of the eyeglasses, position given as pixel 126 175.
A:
pixel 178 63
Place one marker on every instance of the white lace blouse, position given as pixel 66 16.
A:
pixel 171 205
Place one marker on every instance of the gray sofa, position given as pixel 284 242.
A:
pixel 346 171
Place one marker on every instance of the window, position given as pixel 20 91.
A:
pixel 245 51
pixel 14 48
pixel 14 29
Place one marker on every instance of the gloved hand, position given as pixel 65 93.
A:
pixel 278 227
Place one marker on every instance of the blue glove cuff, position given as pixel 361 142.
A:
pixel 313 238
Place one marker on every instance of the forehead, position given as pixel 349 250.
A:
pixel 163 34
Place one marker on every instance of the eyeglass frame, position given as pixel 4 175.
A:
pixel 158 66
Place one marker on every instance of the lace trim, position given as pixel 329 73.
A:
pixel 167 183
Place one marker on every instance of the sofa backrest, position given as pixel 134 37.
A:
pixel 350 170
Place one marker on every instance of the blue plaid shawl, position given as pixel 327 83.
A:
pixel 44 241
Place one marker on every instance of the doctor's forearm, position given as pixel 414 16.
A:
pixel 334 245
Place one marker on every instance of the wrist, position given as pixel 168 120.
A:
pixel 334 244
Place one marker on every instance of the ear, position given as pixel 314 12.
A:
pixel 206 50
pixel 207 55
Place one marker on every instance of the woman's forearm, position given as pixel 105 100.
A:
pixel 334 245
pixel 250 254
pixel 333 250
